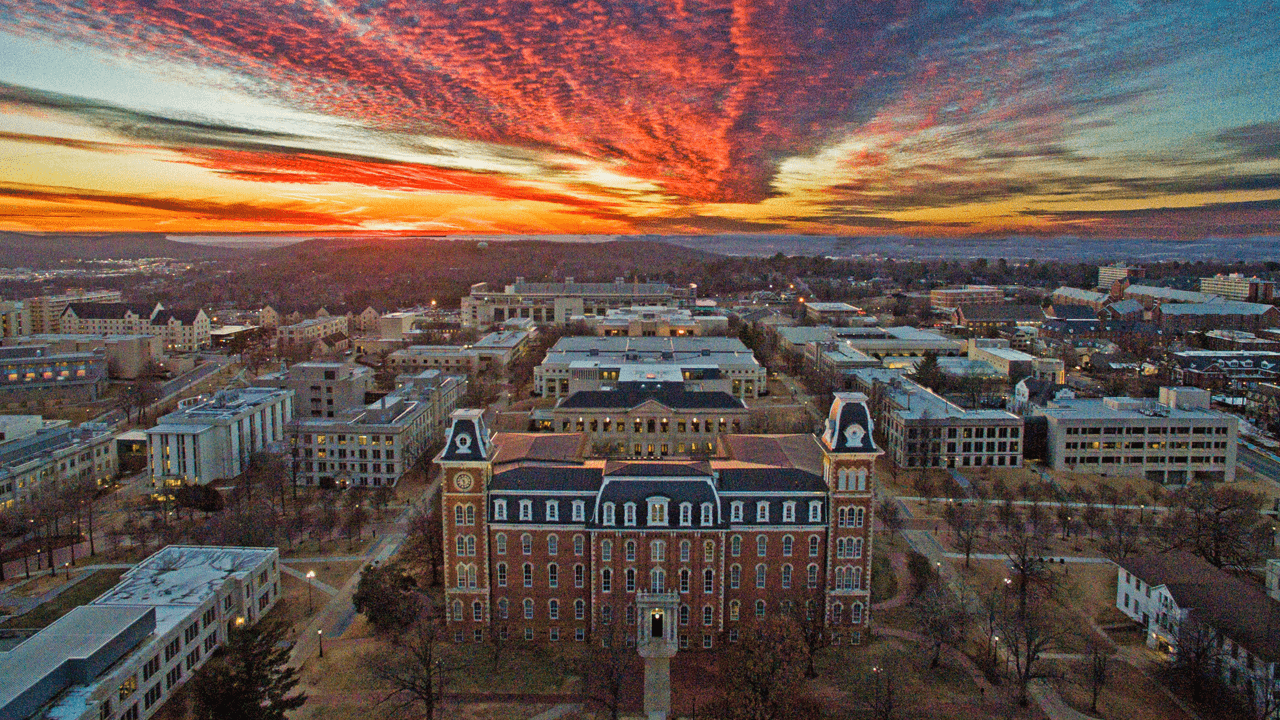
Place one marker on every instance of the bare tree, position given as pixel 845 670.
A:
pixel 424 543
pixel 1121 537
pixel 606 668
pixel 944 619
pixel 1099 674
pixel 1025 552
pixel 763 673
pixel 808 611
pixel 1221 524
pixel 878 693
pixel 1029 636
pixel 888 513
pixel 966 521
pixel 416 671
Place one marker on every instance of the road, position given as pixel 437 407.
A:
pixel 1261 464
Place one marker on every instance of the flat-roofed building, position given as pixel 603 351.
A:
pixel 951 298
pixel 1015 364
pixel 16 427
pixel 123 655
pixel 54 456
pixel 323 389
pixel 1239 287
pixel 496 350
pixel 15 319
pixel 212 439
pixel 924 429
pixel 1173 440
pixel 308 332
pixel 649 412
pixel 396 325
pixel 655 321
pixel 128 356
pixel 556 303
pixel 46 310
pixel 29 370
pixel 998 316
pixel 588 363
pixel 1109 274
pixel 878 342
pixel 834 313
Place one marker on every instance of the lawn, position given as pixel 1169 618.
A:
pixel 83 592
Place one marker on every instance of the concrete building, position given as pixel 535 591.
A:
pixel 922 428
pixel 374 445
pixel 1174 440
pixel 212 439
pixel 396 325
pixel 654 321
pixel 308 332
pixel 556 303
pixel 17 427
pixel 1109 274
pixel 323 389
pixel 123 655
pixel 545 544
pixel 649 412
pixel 36 370
pixel 128 356
pixel 1174 318
pixel 15 319
pixel 1015 364
pixel 834 313
pixel 1178 597
pixel 494 351
pixel 877 342
pixel 46 310
pixel 1238 287
pixel 54 456
pixel 589 363
pixel 947 299
pixel 991 316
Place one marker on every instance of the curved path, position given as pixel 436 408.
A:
pixel 951 653
pixel 905 586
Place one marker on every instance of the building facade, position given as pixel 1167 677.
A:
pixel 589 363
pixel 212 439
pixel 323 389
pixel 38 370
pixel 556 303
pixel 55 456
pixel 654 321
pixel 946 299
pixel 180 330
pixel 1238 287
pixel 15 319
pixel 1109 274
pixel 46 310
pixel 575 551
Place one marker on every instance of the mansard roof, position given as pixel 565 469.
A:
pixel 757 480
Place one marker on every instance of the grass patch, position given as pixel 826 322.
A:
pixel 884 583
pixel 83 591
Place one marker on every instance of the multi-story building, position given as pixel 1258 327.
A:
pixel 374 445
pixel 567 548
pixel 1174 318
pixel 649 412
pixel 212 439
pixel 558 303
pixel 1151 295
pixel 924 429
pixel 1179 598
pixel 494 351
pixel 1075 296
pixel 589 363
pixel 123 655
pixel 128 356
pixel 947 299
pixel 308 332
pixel 1174 440
pixel 1238 287
pixel 1223 368
pixel 46 310
pixel 1262 405
pixel 37 369
pixel 180 330
pixel 16 427
pixel 15 319
pixel 1109 274
pixel 993 316
pixel 323 389
pixel 655 321
pixel 834 313
pixel 878 342
pixel 1015 364
pixel 54 456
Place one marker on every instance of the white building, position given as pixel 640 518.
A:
pixel 212 439
pixel 589 363
pixel 556 303
pixel 123 655
pixel 654 321
pixel 1173 440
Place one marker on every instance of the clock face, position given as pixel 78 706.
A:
pixel 463 481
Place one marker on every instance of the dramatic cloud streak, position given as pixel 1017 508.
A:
pixel 597 115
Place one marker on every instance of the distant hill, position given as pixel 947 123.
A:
pixel 48 250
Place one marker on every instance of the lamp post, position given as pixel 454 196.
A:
pixel 320 635
pixel 311 576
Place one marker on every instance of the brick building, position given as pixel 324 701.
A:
pixel 544 543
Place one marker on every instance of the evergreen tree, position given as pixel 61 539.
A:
pixel 928 372
pixel 250 678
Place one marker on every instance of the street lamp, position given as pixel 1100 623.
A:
pixel 320 635
pixel 311 576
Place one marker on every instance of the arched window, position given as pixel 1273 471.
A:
pixel 862 479
pixel 500 543
pixel 658 550
pixel 855 613
pixel 762 546
pixel 708 615
pixel 471 545
pixel 579 609
pixel 839 578
pixel 606 550
pixel 787 543
pixel 735 608
pixel 471 514
pixel 579 544
pixel 859 515
pixel 708 581
pixel 606 614
pixel 503 606
pixel 528 609
pixel 735 576
pixel 526 544
pixel 857 578
pixel 839 547
pixel 842 517
pixel 684 614
pixel 760 608
pixel 461 572
pixel 857 547
pixel 684 580
pixel 606 580
pixel 553 609
pixel 657 580
pixel 477 611
pixel 553 544
pixel 631 579
pixel 709 551
pixel 471 576
pixel 786 576
pixel 457 611
pixel 609 518
pixel 813 576
pixel 837 610
pixel 528 575
pixel 761 573
pixel 630 547
pixel 686 550
pixel 813 545
pixel 579 575
pixel 461 543
pixel 553 575
pixel 735 545
pixel 502 574
pixel 458 516
pixel 706 515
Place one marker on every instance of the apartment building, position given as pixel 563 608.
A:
pixel 32 370
pixel 180 330
pixel 546 544
pixel 1150 295
pixel 649 412
pixel 308 332
pixel 212 439
pixel 52 456
pixel 1177 318
pixel 123 655
pixel 1109 274
pixel 556 303
pixel 654 321
pixel 1174 440
pixel 128 356
pixel 46 310
pixel 1233 618
pixel 589 363
pixel 1075 296
pixel 1238 287
pixel 323 389
pixel 494 351
pixel 15 319
pixel 374 445
pixel 1219 369
pixel 946 299
pixel 924 429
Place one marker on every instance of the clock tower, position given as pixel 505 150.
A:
pixel 466 465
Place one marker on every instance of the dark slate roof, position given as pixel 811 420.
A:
pixel 1002 311
pixel 186 317
pixel 467 439
pixel 657 470
pixel 853 415
pixel 629 395
pixel 753 480
pixel 565 479
pixel 1074 312
pixel 619 492
pixel 108 311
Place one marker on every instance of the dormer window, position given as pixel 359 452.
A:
pixel 579 511
pixel 629 513
pixel 706 513
pixel 686 514
pixel 657 510
pixel 735 511
pixel 789 511
pixel 553 510
pixel 526 509
pixel 815 511
pixel 609 518
pixel 762 511
pixel 499 509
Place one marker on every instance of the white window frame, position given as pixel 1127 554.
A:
pixel 553 510
pixel 789 511
pixel 707 516
pixel 499 509
pixel 686 514
pixel 762 511
pixel 629 514
pixel 579 511
pixel 609 517
pixel 659 514
pixel 815 511
pixel 735 511
pixel 526 510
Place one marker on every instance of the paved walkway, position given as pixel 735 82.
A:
pixel 1050 558
pixel 317 584
pixel 903 577
pixel 558 711
pixel 1047 697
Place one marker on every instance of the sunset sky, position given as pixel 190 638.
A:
pixel 1143 118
